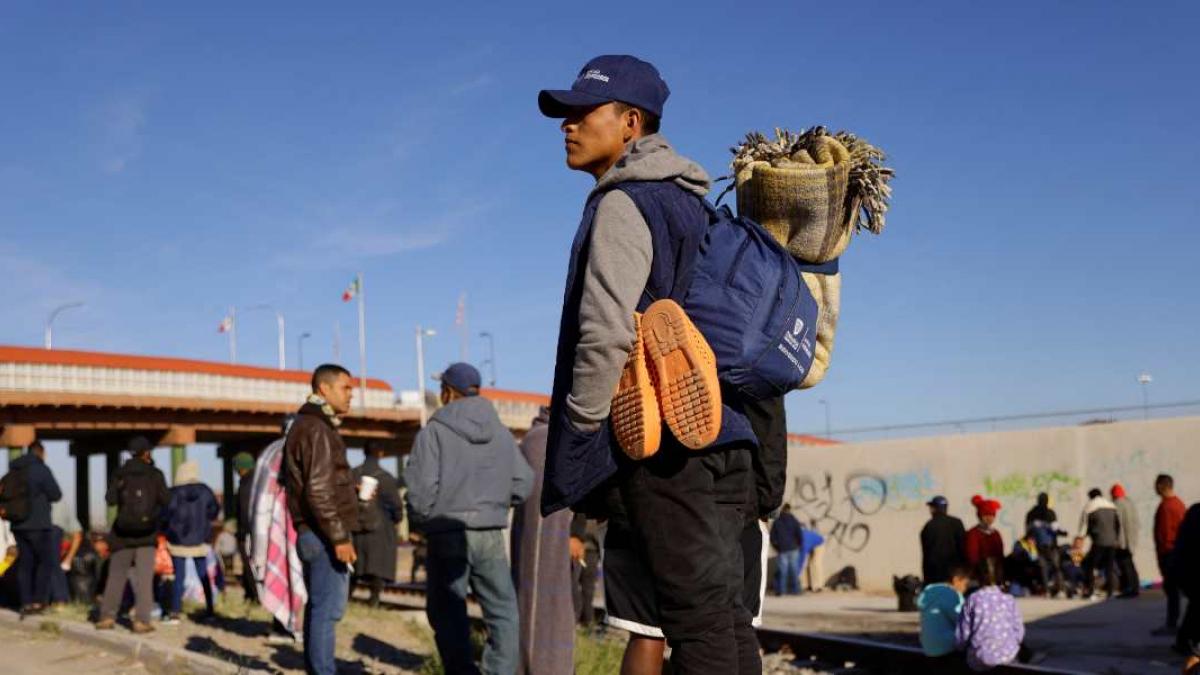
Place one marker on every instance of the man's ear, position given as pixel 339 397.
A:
pixel 631 123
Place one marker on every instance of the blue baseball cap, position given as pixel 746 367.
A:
pixel 463 378
pixel 619 77
pixel 939 501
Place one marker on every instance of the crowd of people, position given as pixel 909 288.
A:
pixel 957 562
pixel 672 481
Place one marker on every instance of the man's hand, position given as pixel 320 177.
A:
pixel 576 547
pixel 345 553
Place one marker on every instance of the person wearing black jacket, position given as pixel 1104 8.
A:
pixel 1185 566
pixel 139 491
pixel 941 543
pixel 37 556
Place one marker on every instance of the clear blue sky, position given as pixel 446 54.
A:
pixel 162 163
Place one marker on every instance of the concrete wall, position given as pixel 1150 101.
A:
pixel 868 499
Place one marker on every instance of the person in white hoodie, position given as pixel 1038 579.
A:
pixel 1101 523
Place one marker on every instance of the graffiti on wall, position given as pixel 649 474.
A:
pixel 1020 485
pixel 909 490
pixel 838 510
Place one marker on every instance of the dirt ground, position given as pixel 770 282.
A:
pixel 369 641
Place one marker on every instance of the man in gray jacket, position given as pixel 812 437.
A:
pixel 1126 542
pixel 464 474
pixel 1101 523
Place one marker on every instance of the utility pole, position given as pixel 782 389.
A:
pixel 491 360
pixel 1144 379
pixel 54 315
pixel 422 333
pixel 300 350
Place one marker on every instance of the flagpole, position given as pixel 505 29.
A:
pixel 362 339
pixel 232 334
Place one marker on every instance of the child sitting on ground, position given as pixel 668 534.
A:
pixel 940 605
pixel 990 629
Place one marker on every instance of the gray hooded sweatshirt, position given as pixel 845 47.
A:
pixel 618 266
pixel 465 470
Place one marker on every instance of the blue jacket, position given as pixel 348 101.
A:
pixel 786 533
pixel 190 514
pixel 43 491
pixel 940 606
pixel 576 461
pixel 465 470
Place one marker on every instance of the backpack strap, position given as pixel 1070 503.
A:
pixel 829 268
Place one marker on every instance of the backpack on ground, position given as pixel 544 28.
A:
pixel 138 509
pixel 745 294
pixel 14 495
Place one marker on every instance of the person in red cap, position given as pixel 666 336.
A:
pixel 983 545
pixel 1127 536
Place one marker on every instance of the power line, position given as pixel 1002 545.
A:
pixel 1012 418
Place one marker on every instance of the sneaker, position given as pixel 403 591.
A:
pixel 684 369
pixel 636 419
pixel 142 628
pixel 171 620
pixel 106 624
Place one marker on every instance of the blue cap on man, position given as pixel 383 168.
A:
pixel 463 378
pixel 614 77
pixel 938 502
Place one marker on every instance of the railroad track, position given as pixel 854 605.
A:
pixel 873 655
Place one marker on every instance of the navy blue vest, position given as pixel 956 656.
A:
pixel 577 462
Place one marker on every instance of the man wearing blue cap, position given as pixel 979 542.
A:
pixel 672 552
pixel 464 474
pixel 942 541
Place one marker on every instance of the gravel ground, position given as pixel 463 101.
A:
pixel 46 653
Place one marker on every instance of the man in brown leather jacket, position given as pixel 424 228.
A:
pixel 324 506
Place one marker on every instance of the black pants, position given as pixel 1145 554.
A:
pixel 1103 558
pixel 1050 566
pixel 583 587
pixel 1171 590
pixel 36 561
pixel 1127 571
pixel 1189 630
pixel 249 587
pixel 687 511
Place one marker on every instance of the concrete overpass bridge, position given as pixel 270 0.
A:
pixel 97 402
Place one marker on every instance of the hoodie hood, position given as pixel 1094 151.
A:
pixel 473 418
pixel 652 158
pixel 24 461
pixel 187 473
pixel 1097 503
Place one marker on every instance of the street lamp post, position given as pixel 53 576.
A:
pixel 422 333
pixel 1144 379
pixel 825 403
pixel 54 315
pixel 280 324
pixel 491 359
pixel 300 350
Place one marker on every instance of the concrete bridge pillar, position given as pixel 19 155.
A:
pixel 112 462
pixel 83 487
pixel 178 437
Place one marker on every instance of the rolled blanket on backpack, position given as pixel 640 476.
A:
pixel 801 199
pixel 826 289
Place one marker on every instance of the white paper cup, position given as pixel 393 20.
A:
pixel 366 488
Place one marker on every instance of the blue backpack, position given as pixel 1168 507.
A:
pixel 744 292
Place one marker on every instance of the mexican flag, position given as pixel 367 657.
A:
pixel 351 291
pixel 226 325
